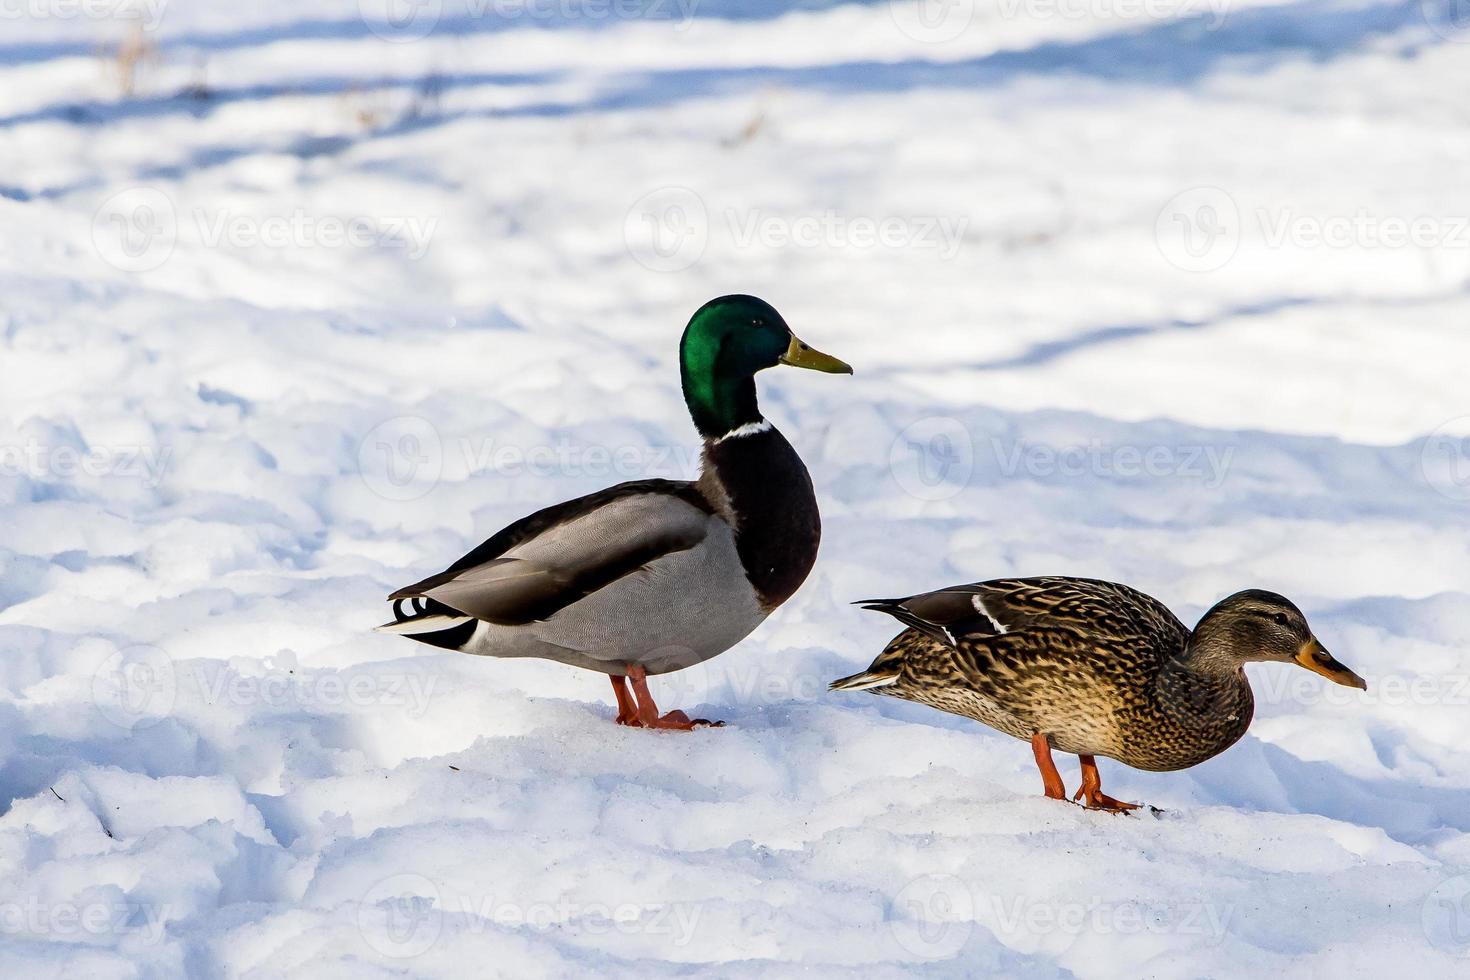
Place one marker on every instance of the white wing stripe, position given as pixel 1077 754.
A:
pixel 980 608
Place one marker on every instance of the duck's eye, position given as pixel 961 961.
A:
pixel 757 323
pixel 1280 619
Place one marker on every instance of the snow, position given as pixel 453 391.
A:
pixel 1169 293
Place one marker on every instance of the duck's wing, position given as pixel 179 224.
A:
pixel 1084 607
pixel 556 557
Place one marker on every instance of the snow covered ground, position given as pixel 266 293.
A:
pixel 301 300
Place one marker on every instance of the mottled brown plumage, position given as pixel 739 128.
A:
pixel 1092 667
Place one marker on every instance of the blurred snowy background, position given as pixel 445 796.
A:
pixel 301 300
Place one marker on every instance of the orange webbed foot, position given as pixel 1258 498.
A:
pixel 646 712
pixel 1091 790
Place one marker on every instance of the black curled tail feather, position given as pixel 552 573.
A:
pixel 896 609
pixel 420 607
pixel 430 621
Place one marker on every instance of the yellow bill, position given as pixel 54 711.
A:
pixel 799 354
pixel 1315 658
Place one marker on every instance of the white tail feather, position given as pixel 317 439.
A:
pixel 863 681
pixel 423 624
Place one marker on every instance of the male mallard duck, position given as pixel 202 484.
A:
pixel 651 576
pixel 1091 668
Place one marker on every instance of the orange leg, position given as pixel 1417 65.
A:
pixel 627 708
pixel 648 716
pixel 1092 789
pixel 1050 778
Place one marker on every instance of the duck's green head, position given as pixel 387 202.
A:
pixel 1256 625
pixel 727 341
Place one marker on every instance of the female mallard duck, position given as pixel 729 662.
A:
pixel 651 576
pixel 1091 668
